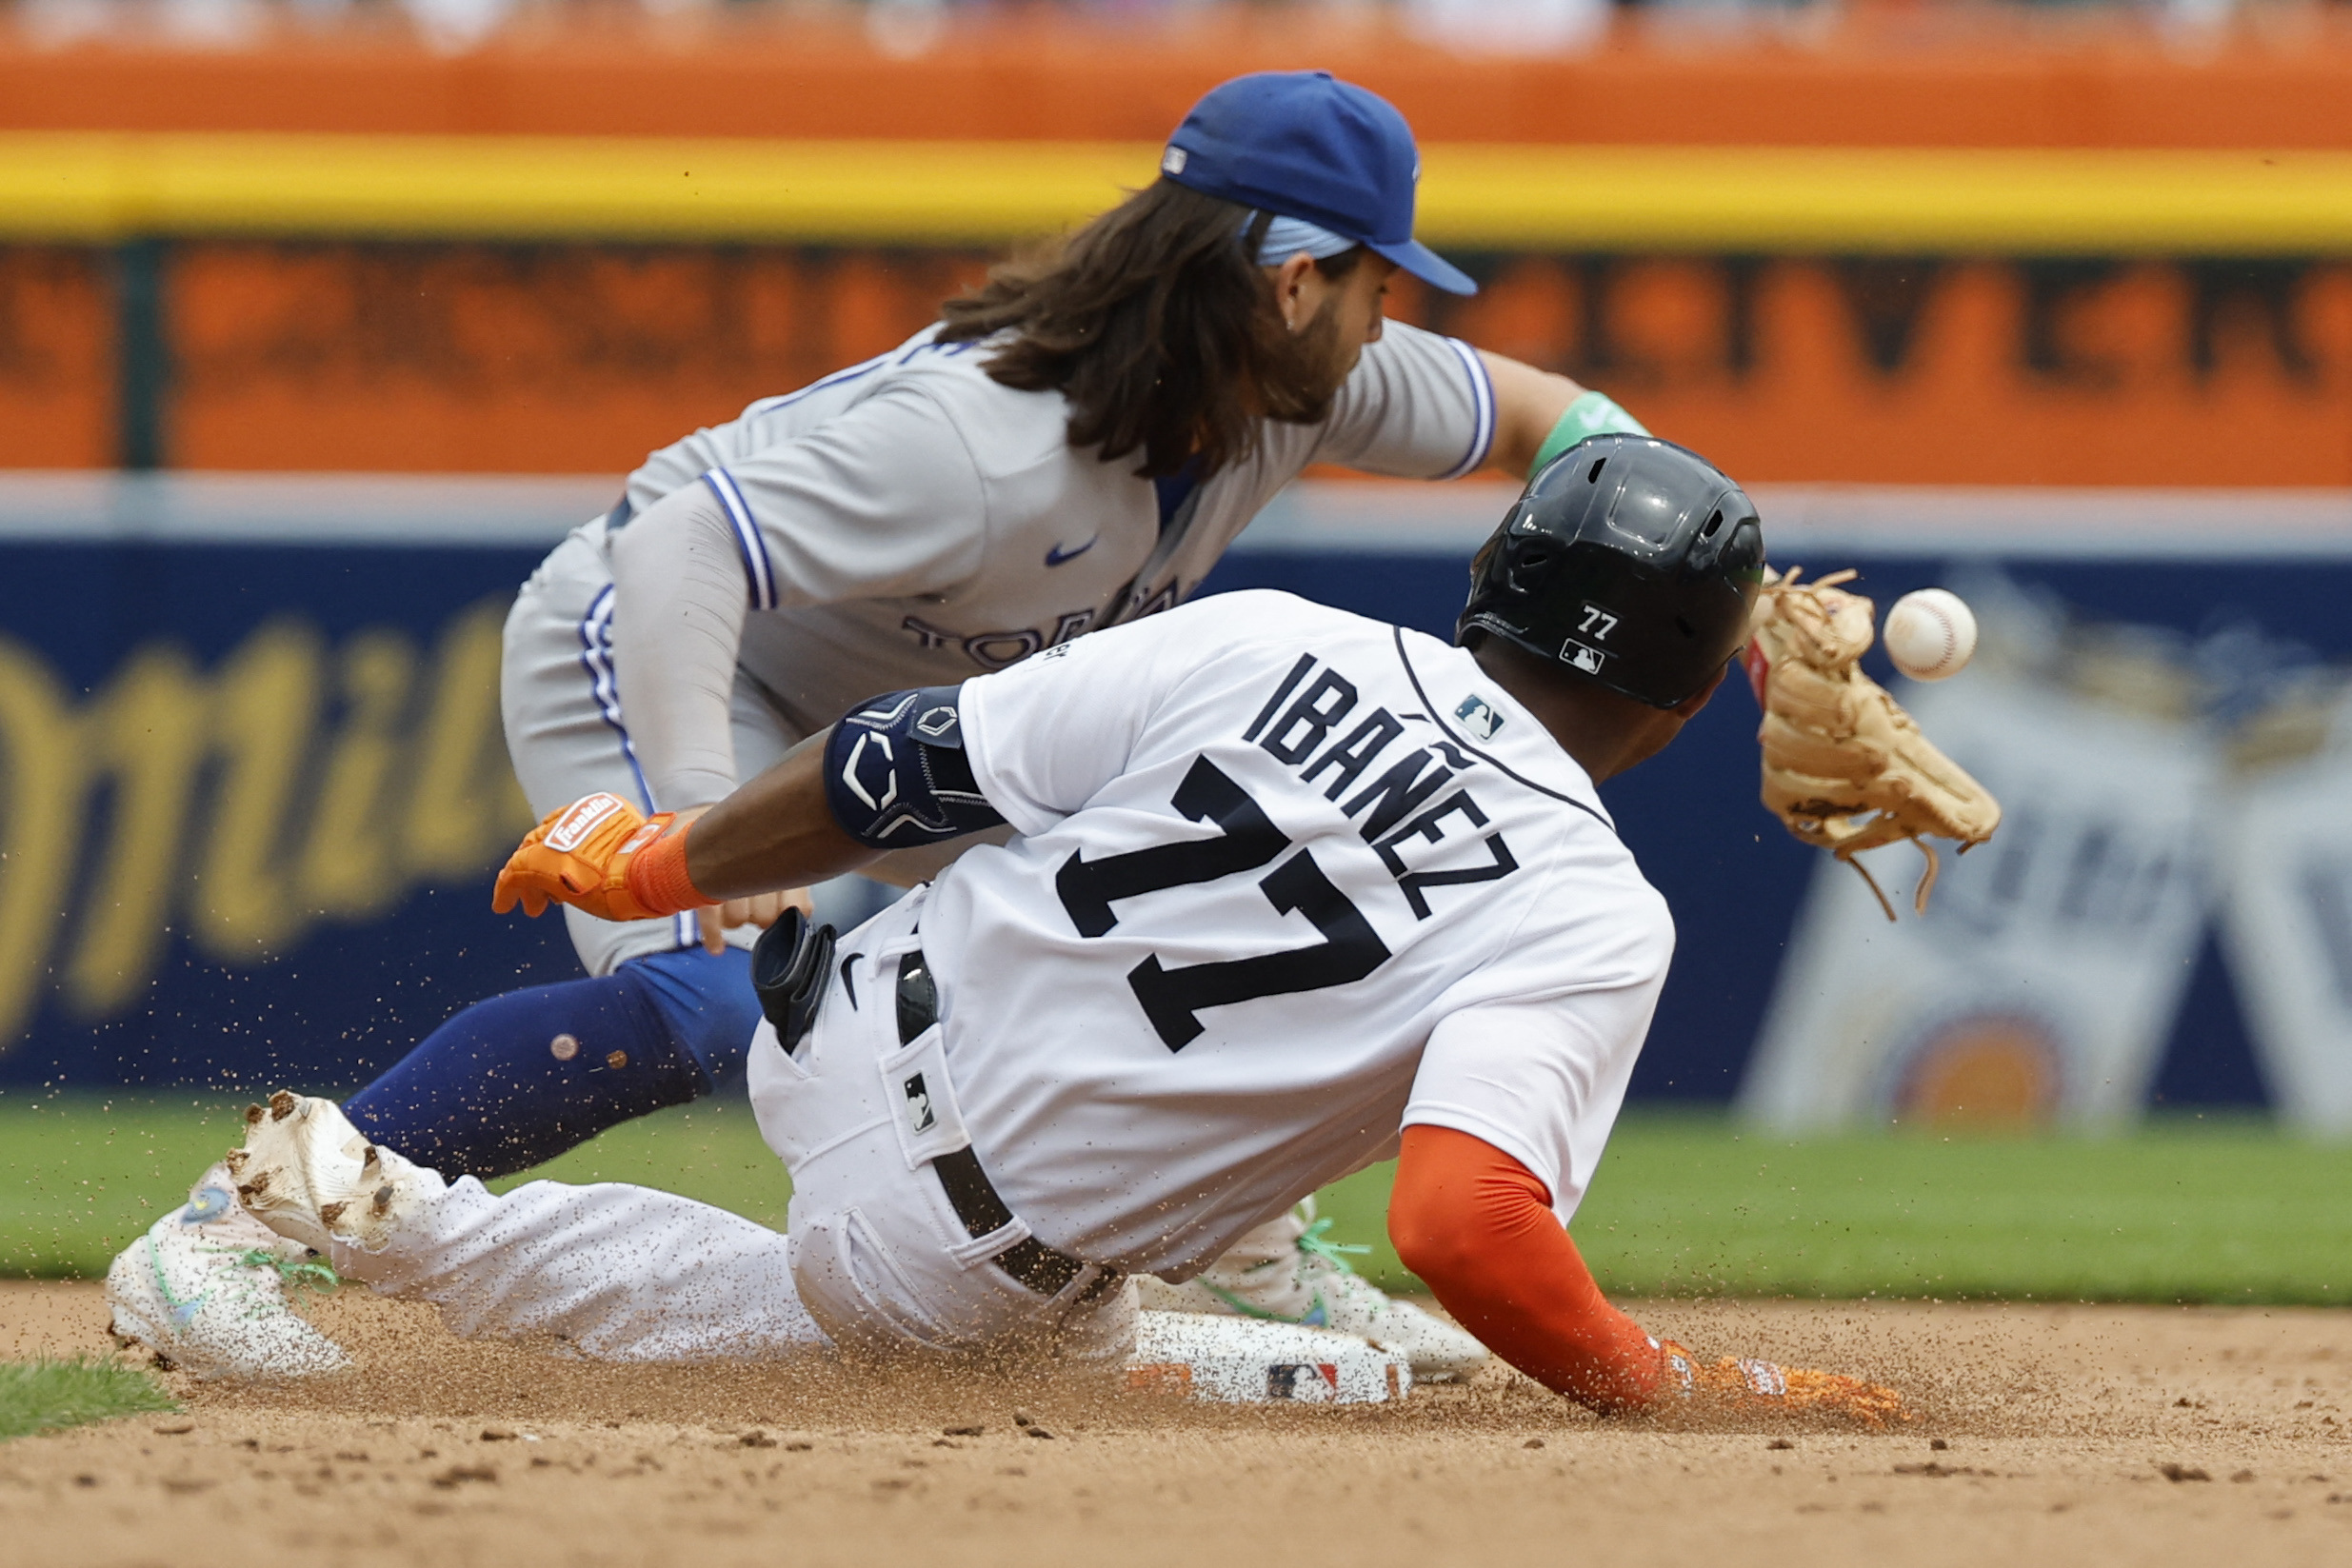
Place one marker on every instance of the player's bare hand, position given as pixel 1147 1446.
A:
pixel 761 909
pixel 579 855
pixel 1748 1383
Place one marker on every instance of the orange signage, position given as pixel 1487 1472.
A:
pixel 580 358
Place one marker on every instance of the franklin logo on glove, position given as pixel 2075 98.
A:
pixel 583 817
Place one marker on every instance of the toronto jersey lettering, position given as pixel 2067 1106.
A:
pixel 1286 880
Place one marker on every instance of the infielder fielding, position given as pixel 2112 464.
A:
pixel 1288 891
pixel 1070 448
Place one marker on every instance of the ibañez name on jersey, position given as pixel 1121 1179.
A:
pixel 1411 794
pixel 1284 874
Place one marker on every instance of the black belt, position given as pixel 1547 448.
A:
pixel 969 1192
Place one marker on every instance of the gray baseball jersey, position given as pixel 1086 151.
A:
pixel 911 521
pixel 905 522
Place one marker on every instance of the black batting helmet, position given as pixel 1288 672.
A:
pixel 1629 560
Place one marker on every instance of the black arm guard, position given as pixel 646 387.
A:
pixel 895 774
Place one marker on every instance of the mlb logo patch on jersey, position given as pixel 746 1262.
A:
pixel 1478 717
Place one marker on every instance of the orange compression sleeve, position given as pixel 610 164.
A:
pixel 657 879
pixel 1477 1226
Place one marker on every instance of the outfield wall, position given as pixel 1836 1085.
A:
pixel 1918 248
pixel 254 787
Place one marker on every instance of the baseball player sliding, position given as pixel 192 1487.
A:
pixel 1287 891
pixel 1068 448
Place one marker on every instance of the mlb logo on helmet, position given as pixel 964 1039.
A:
pixel 1303 144
pixel 1577 656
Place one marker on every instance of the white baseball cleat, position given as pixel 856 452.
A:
pixel 1237 1360
pixel 205 1290
pixel 310 1176
pixel 1285 1272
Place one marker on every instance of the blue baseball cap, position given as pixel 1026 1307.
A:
pixel 1303 144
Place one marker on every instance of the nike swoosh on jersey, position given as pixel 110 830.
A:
pixel 1057 555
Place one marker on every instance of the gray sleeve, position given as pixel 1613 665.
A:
pixel 678 607
pixel 763 423
pixel 1418 406
pixel 881 502
pixel 680 464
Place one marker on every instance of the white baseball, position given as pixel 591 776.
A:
pixel 1930 634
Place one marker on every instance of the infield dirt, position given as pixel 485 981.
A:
pixel 2042 1435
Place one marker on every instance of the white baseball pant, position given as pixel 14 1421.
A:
pixel 873 1256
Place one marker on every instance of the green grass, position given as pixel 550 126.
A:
pixel 2180 1210
pixel 47 1396
pixel 2225 1210
pixel 80 1177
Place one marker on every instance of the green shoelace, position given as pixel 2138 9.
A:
pixel 1328 1251
pixel 1316 1242
pixel 308 1273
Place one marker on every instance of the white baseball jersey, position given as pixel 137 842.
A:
pixel 911 522
pixel 1288 880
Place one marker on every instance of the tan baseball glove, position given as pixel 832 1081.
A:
pixel 1843 765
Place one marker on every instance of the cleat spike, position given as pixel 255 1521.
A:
pixel 282 1105
pixel 253 1115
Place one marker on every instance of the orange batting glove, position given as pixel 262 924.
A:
pixel 1764 1385
pixel 602 855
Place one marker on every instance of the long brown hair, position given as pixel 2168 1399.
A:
pixel 1157 325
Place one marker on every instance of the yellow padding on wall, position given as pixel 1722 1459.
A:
pixel 106 187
